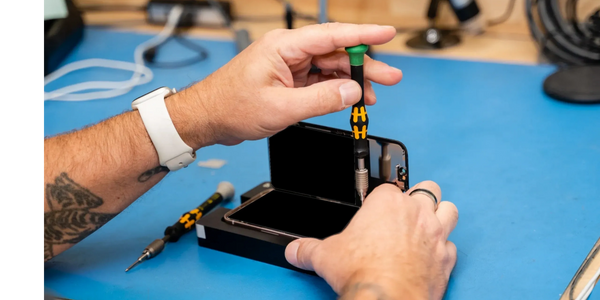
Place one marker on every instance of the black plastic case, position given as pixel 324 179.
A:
pixel 215 233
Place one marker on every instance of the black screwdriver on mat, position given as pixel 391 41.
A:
pixel 359 120
pixel 224 193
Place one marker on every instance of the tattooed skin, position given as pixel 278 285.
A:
pixel 70 219
pixel 148 174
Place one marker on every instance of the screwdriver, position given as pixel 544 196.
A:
pixel 225 192
pixel 359 121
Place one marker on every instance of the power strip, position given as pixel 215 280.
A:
pixel 195 12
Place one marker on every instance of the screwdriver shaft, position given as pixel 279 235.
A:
pixel 142 257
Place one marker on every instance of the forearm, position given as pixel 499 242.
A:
pixel 92 174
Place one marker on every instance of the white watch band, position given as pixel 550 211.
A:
pixel 173 152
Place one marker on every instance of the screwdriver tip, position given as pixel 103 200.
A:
pixel 133 265
pixel 143 257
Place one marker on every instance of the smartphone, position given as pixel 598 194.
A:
pixel 295 215
pixel 312 179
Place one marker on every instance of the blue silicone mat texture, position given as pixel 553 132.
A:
pixel 523 170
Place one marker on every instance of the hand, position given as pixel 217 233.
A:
pixel 395 247
pixel 268 87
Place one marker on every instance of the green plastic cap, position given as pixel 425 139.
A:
pixel 357 54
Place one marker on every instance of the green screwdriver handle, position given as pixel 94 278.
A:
pixel 359 121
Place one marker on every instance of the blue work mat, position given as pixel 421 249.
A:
pixel 523 170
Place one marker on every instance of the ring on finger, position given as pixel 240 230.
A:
pixel 427 193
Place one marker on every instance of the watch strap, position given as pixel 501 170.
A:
pixel 173 152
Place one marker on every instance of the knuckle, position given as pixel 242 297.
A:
pixel 274 34
pixel 327 26
pixel 431 183
pixel 303 259
pixel 387 188
pixel 452 253
pixel 320 103
pixel 452 210
pixel 316 256
pixel 441 253
pixel 387 191
pixel 437 231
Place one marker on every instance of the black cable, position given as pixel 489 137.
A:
pixel 201 54
pixel 504 17
pixel 562 34
pixel 558 37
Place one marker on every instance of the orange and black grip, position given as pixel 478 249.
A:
pixel 359 120
pixel 187 221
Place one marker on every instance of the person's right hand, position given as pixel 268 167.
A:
pixel 395 247
pixel 268 86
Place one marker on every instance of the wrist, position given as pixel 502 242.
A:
pixel 191 119
pixel 373 284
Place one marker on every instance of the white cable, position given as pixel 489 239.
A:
pixel 141 73
pixel 587 289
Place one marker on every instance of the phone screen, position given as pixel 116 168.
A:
pixel 319 161
pixel 295 214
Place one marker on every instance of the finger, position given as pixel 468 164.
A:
pixel 315 78
pixel 317 99
pixel 447 213
pixel 370 97
pixel 324 38
pixel 451 248
pixel 423 198
pixel 384 191
pixel 374 70
pixel 300 253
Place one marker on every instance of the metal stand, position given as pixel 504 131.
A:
pixel 433 37
pixel 575 84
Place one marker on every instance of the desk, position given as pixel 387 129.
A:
pixel 522 169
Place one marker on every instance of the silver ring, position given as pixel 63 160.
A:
pixel 427 193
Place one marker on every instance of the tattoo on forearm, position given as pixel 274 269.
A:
pixel 148 174
pixel 352 292
pixel 70 219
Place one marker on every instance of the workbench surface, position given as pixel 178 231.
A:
pixel 523 170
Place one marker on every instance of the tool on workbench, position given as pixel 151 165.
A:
pixel 359 120
pixel 225 192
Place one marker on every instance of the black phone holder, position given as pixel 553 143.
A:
pixel 215 233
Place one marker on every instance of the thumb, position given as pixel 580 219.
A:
pixel 320 98
pixel 300 253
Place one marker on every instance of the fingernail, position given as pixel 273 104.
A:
pixel 350 92
pixel 291 253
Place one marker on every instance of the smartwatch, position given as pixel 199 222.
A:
pixel 173 152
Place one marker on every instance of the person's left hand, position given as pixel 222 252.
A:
pixel 268 86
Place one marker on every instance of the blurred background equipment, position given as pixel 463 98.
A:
pixel 573 44
pixel 433 37
pixel 469 16
pixel 63 29
pixel 109 89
